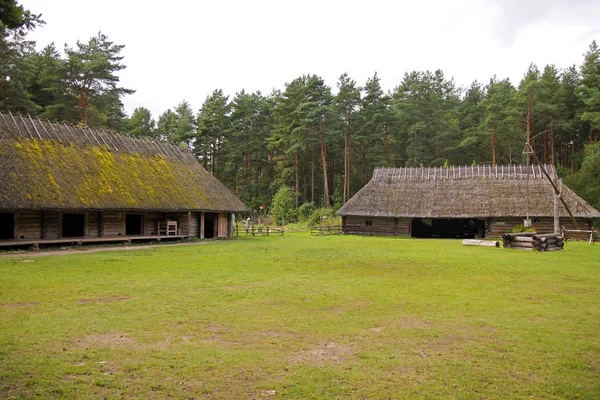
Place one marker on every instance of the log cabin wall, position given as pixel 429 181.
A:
pixel 194 228
pixel 29 225
pixel 376 226
pixel 222 225
pixel 93 221
pixel 114 223
pixel 202 218
pixel 496 227
pixel 151 222
pixel 50 225
pixel 184 224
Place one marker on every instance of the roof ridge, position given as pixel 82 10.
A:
pixel 31 127
pixel 460 172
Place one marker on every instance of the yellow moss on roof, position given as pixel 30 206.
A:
pixel 50 174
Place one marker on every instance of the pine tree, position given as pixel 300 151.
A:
pixel 547 98
pixel 91 73
pixel 500 120
pixel 590 89
pixel 48 87
pixel 527 102
pixel 213 123
pixel 471 117
pixel 347 103
pixel 141 123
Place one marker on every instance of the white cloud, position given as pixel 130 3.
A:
pixel 184 50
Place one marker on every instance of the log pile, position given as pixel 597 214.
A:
pixel 533 241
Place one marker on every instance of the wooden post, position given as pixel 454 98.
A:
pixel 556 207
pixel 86 220
pixel 100 224
pixel 202 225
pixel 16 226
pixel 43 225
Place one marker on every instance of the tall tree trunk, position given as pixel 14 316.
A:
pixel 386 146
pixel 312 174
pixel 344 197
pixel 493 144
pixel 591 134
pixel 552 144
pixel 546 148
pixel 325 181
pixel 528 132
pixel 84 101
pixel 248 160
pixel 297 181
pixel 573 158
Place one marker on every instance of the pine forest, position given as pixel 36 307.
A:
pixel 315 142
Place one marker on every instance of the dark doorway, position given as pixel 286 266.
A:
pixel 133 224
pixel 447 228
pixel 210 223
pixel 7 226
pixel 73 225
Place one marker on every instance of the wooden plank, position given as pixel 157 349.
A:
pixel 34 127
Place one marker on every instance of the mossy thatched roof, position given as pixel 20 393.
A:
pixel 55 166
pixel 463 192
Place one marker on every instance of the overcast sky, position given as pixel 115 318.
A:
pixel 178 49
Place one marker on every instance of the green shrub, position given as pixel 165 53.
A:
pixel 523 228
pixel 305 211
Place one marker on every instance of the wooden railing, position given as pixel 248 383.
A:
pixel 326 230
pixel 591 236
pixel 259 230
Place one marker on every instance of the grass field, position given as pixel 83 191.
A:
pixel 303 317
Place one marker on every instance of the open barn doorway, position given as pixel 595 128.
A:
pixel 448 228
pixel 210 225
pixel 73 225
pixel 7 226
pixel 133 224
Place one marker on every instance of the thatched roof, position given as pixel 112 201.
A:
pixel 462 192
pixel 55 166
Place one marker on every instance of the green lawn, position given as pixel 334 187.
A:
pixel 303 317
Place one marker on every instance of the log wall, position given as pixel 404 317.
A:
pixel 496 227
pixel 29 225
pixel 50 225
pixel 93 224
pixel 222 225
pixel 151 222
pixel 184 224
pixel 372 226
pixel 114 223
pixel 194 228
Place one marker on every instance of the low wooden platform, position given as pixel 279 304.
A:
pixel 82 240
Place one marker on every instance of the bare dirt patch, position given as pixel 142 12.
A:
pixel 10 305
pixel 326 353
pixel 106 340
pixel 105 299
pixel 412 322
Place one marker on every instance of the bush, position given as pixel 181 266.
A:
pixel 331 218
pixel 305 211
pixel 283 206
pixel 523 228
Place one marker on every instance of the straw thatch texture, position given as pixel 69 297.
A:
pixel 54 166
pixel 462 192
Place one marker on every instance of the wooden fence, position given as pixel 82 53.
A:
pixel 591 236
pixel 326 230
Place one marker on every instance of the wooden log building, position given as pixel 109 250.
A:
pixel 61 183
pixel 459 202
